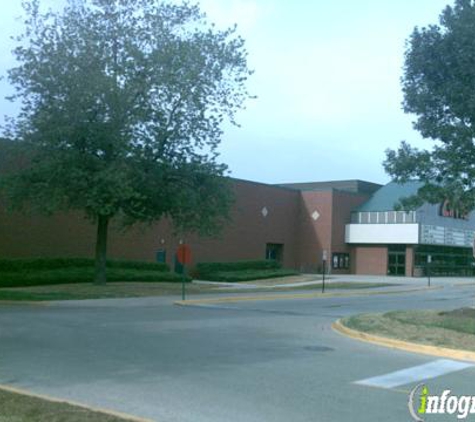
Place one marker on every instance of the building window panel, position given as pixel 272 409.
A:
pixel 399 217
pixel 373 217
pixel 340 261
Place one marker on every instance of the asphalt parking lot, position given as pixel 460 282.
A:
pixel 249 361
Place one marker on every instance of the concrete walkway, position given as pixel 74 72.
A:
pixel 315 279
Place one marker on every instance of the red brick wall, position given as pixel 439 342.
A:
pixel 343 204
pixel 314 236
pixel 289 222
pixel 328 231
pixel 244 238
pixel 409 261
pixel 370 260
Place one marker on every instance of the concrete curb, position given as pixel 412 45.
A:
pixel 40 303
pixel 124 416
pixel 469 284
pixel 444 352
pixel 229 299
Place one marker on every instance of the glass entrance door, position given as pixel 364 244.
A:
pixel 397 260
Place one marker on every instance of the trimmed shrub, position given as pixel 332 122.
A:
pixel 246 275
pixel 35 264
pixel 205 268
pixel 240 270
pixel 139 265
pixel 38 264
pixel 45 271
pixel 82 275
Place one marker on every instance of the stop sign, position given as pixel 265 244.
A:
pixel 183 254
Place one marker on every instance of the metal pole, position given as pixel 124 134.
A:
pixel 429 260
pixel 323 277
pixel 183 276
pixel 428 274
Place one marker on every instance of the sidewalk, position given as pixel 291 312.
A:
pixel 315 279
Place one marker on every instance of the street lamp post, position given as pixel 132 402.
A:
pixel 429 261
pixel 324 261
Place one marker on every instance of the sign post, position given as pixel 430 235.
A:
pixel 324 261
pixel 183 255
pixel 429 261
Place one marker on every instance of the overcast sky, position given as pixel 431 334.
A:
pixel 327 77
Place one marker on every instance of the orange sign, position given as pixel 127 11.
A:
pixel 183 254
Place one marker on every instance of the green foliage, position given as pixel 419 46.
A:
pixel 246 275
pixel 81 275
pixel 211 267
pixel 241 270
pixel 39 264
pixel 439 88
pixel 122 107
pixel 45 271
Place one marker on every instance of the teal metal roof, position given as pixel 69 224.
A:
pixel 385 198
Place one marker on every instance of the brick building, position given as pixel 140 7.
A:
pixel 433 236
pixel 353 221
pixel 292 223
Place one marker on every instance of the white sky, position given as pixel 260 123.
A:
pixel 327 77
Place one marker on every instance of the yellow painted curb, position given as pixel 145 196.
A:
pixel 470 284
pixel 121 415
pixel 403 345
pixel 297 296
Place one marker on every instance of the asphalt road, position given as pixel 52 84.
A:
pixel 265 361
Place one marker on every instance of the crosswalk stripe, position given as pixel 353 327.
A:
pixel 417 373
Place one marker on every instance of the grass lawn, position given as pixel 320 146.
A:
pixel 20 408
pixel 137 289
pixel 452 329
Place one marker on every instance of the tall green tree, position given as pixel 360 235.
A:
pixel 122 106
pixel 439 88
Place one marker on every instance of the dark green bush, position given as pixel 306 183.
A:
pixel 240 270
pixel 34 264
pixel 246 275
pixel 37 264
pixel 138 265
pixel 81 275
pixel 204 269
pixel 44 271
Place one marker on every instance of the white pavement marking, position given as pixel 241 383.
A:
pixel 416 373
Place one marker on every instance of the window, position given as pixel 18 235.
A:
pixel 275 251
pixel 445 260
pixel 340 261
pixel 161 255
pixel 396 259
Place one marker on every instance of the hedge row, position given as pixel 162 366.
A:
pixel 207 268
pixel 82 275
pixel 241 270
pixel 36 264
pixel 246 275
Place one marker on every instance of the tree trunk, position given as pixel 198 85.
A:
pixel 100 276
